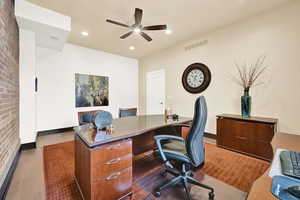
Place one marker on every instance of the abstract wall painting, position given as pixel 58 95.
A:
pixel 91 90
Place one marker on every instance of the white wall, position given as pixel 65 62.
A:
pixel 27 63
pixel 56 92
pixel 275 34
pixel 38 14
pixel 52 29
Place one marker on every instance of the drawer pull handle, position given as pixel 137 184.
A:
pixel 113 176
pixel 117 146
pixel 113 161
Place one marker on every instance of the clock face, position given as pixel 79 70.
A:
pixel 196 78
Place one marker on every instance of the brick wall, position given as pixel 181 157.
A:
pixel 9 86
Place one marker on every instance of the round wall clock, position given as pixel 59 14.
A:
pixel 196 78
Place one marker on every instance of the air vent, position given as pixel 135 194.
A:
pixel 54 37
pixel 195 45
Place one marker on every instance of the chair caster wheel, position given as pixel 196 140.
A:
pixel 163 174
pixel 157 194
pixel 211 196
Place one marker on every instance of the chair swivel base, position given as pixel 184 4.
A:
pixel 184 178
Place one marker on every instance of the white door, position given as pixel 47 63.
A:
pixel 155 92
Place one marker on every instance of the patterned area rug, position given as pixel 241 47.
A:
pixel 230 167
pixel 233 168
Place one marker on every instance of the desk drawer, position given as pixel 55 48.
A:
pixel 113 186
pixel 113 165
pixel 111 151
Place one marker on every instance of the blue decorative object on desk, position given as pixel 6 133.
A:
pixel 280 185
pixel 103 119
pixel 102 135
pixel 246 104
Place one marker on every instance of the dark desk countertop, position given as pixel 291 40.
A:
pixel 125 128
pixel 254 119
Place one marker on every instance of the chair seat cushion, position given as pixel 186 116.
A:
pixel 173 155
pixel 176 146
pixel 175 150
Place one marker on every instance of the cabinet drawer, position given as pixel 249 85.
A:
pixel 264 150
pixel 113 186
pixel 264 132
pixel 111 151
pixel 115 164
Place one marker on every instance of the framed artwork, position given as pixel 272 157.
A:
pixel 91 90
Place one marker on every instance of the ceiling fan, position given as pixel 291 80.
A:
pixel 137 27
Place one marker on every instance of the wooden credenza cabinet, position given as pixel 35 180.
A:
pixel 251 136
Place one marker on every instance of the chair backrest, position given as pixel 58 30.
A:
pixel 126 112
pixel 194 140
pixel 86 117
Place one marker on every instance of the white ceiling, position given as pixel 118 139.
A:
pixel 186 18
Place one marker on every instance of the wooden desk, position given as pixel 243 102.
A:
pixel 262 186
pixel 103 167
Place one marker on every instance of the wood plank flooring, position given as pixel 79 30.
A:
pixel 28 181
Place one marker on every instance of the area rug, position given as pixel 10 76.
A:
pixel 232 168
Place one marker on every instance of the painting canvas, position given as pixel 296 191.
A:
pixel 91 90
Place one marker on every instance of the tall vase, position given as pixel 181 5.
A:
pixel 246 104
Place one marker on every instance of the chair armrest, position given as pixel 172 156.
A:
pixel 158 140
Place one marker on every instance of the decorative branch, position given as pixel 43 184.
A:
pixel 249 74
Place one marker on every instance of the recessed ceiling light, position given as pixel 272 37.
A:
pixel 132 48
pixel 84 33
pixel 137 30
pixel 168 32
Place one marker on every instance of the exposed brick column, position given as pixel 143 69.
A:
pixel 9 86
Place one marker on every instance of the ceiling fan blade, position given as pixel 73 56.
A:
pixel 126 35
pixel 117 23
pixel 147 37
pixel 138 15
pixel 155 27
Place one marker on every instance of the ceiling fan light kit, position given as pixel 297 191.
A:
pixel 137 27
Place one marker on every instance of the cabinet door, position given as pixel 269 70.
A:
pixel 235 135
pixel 226 134
pixel 262 143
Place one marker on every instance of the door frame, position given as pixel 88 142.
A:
pixel 150 74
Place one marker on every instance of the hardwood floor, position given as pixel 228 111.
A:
pixel 28 181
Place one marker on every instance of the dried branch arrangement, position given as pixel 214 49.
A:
pixel 249 74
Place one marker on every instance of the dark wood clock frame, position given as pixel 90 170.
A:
pixel 207 78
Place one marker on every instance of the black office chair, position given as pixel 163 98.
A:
pixel 185 155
